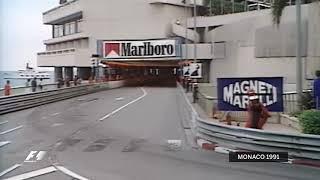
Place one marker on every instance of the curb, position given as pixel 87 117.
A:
pixel 207 145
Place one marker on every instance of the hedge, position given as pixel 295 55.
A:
pixel 310 122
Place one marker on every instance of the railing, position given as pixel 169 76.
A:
pixel 19 102
pixel 300 145
pixel 290 102
pixel 25 90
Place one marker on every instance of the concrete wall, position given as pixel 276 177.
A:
pixel 240 46
pixel 313 52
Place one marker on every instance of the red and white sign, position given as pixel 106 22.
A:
pixel 139 49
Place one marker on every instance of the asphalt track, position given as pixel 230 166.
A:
pixel 120 134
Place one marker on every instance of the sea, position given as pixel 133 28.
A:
pixel 19 82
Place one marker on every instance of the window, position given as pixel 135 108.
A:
pixel 57 31
pixel 70 28
pixel 67 29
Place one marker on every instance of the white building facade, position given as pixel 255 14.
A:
pixel 235 45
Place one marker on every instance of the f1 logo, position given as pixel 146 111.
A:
pixel 35 156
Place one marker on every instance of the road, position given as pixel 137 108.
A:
pixel 122 134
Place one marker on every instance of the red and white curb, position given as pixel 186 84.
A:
pixel 207 145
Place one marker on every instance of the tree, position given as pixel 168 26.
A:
pixel 277 9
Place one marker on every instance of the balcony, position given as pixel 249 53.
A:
pixel 64 58
pixel 66 38
pixel 188 3
pixel 63 13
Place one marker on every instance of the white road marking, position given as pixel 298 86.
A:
pixel 54 114
pixel 57 124
pixel 33 173
pixel 10 130
pixel 1 123
pixel 9 169
pixel 3 143
pixel 115 111
pixel 70 173
pixel 187 100
pixel 119 98
pixel 175 143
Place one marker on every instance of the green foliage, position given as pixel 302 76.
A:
pixel 318 73
pixel 220 7
pixel 296 114
pixel 307 101
pixel 277 9
pixel 310 122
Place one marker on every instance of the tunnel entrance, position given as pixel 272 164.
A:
pixel 147 73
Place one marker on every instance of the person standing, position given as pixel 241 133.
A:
pixel 28 83
pixel 40 85
pixel 257 113
pixel 67 82
pixel 75 80
pixel 34 84
pixel 316 90
pixel 7 89
pixel 27 90
pixel 60 83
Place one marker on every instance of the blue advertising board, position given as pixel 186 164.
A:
pixel 233 93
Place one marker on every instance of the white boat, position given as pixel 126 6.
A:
pixel 30 73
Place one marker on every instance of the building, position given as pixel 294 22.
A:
pixel 228 45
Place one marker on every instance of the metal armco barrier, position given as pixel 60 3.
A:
pixel 299 145
pixel 19 102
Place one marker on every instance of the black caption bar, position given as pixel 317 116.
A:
pixel 258 157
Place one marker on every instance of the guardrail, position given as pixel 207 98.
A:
pixel 25 90
pixel 300 145
pixel 19 102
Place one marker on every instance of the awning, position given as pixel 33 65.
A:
pixel 133 64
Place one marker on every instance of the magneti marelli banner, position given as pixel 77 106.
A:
pixel 233 93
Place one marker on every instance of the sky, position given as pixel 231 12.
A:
pixel 22 32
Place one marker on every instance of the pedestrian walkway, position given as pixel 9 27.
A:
pixel 268 127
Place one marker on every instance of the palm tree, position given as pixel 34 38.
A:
pixel 277 9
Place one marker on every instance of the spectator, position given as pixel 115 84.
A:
pixel 27 90
pixel 67 82
pixel 60 83
pixel 40 85
pixel 257 113
pixel 28 83
pixel 7 89
pixel 79 81
pixel 34 84
pixel 316 90
pixel 75 80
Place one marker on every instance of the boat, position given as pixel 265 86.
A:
pixel 30 73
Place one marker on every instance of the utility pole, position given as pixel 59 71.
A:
pixel 195 30
pixel 299 60
pixel 186 35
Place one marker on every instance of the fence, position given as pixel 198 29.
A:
pixel 209 103
pixel 300 145
pixel 26 90
pixel 23 101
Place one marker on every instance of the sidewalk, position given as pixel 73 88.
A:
pixel 267 127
